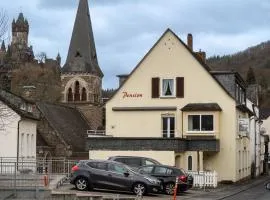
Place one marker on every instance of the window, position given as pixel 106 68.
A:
pixel 163 170
pixel 200 123
pixel 117 168
pixel 168 87
pixel 239 94
pixel 70 95
pixel 190 163
pixel 173 87
pixel 160 170
pixel 148 162
pixel 83 94
pixel 77 91
pixel 98 165
pixel 146 170
pixel 168 127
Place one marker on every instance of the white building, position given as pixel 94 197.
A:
pixel 18 124
pixel 256 140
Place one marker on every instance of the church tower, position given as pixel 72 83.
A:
pixel 81 75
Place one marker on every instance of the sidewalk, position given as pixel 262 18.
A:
pixel 224 191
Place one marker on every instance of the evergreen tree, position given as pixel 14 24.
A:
pixel 251 79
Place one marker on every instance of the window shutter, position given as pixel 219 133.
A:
pixel 155 87
pixel 180 87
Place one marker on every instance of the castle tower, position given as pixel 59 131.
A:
pixel 20 31
pixel 81 75
pixel 19 43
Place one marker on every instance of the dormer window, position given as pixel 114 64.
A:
pixel 239 94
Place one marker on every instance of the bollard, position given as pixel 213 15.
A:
pixel 45 178
pixel 175 188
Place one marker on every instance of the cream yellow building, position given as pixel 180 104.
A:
pixel 174 109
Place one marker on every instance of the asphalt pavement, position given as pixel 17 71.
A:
pixel 246 190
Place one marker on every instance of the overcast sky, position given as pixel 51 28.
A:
pixel 125 30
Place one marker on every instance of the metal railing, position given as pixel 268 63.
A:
pixel 39 165
pixel 96 132
pixel 34 174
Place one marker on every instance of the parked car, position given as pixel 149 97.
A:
pixel 107 174
pixel 167 175
pixel 134 161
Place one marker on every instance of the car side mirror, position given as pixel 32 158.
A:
pixel 126 174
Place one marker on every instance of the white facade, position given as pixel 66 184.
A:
pixel 17 134
pixel 256 139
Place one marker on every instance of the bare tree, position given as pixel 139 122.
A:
pixel 41 57
pixel 7 116
pixel 3 23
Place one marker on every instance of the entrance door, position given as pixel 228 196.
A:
pixel 168 126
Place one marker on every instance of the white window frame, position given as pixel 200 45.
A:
pixel 168 124
pixel 200 131
pixel 174 88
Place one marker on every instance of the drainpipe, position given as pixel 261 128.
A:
pixel 182 124
pixel 18 141
pixel 255 139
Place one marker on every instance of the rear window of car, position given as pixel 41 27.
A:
pixel 134 162
pixel 163 170
pixel 149 162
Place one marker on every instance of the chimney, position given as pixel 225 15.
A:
pixel 29 92
pixel 202 55
pixel 190 41
pixel 122 78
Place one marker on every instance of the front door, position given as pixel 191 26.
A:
pixel 168 126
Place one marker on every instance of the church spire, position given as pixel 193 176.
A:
pixel 82 51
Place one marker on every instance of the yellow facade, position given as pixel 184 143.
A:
pixel 168 59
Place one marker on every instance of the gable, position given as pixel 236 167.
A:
pixel 169 58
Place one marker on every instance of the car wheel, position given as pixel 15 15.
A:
pixel 169 188
pixel 267 186
pixel 81 183
pixel 139 189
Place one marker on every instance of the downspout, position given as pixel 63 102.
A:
pixel 255 139
pixel 18 141
pixel 182 124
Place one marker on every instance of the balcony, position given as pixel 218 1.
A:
pixel 154 144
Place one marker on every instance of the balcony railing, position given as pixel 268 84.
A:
pixel 96 132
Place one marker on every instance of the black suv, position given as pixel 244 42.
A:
pixel 167 175
pixel 106 174
pixel 134 161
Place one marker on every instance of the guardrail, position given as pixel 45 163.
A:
pixel 204 179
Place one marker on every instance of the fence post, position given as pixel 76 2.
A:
pixel 64 163
pixel 15 179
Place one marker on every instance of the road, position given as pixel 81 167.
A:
pixel 257 192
